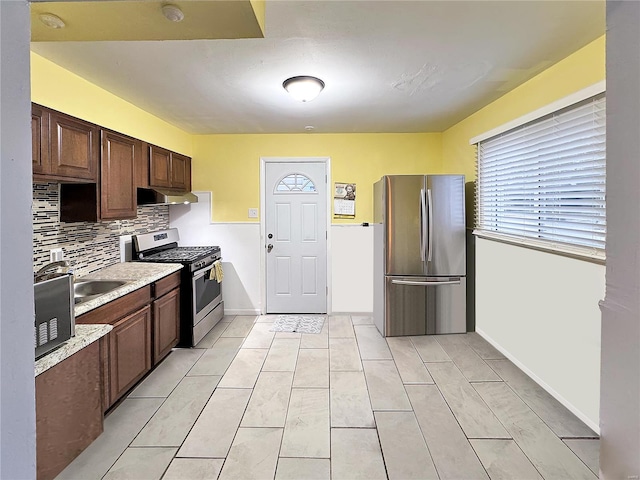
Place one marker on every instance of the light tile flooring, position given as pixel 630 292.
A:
pixel 249 403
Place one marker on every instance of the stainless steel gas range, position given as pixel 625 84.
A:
pixel 200 292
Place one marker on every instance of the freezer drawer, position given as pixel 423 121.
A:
pixel 425 305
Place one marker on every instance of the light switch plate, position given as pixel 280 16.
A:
pixel 126 248
pixel 253 213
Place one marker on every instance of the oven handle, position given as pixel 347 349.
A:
pixel 199 273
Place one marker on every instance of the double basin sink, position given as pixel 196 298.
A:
pixel 85 290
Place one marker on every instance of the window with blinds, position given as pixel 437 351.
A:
pixel 543 184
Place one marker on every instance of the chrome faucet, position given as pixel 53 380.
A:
pixel 45 272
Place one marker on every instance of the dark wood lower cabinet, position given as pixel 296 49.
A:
pixel 68 410
pixel 166 326
pixel 71 397
pixel 129 351
pixel 146 326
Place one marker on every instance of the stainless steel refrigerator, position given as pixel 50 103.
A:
pixel 419 264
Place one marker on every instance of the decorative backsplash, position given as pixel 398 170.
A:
pixel 88 246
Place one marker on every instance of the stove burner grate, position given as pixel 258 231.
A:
pixel 181 254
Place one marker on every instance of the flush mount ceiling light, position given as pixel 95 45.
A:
pixel 172 13
pixel 51 20
pixel 303 88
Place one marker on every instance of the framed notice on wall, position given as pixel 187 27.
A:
pixel 344 200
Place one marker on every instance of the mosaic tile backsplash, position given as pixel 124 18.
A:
pixel 88 246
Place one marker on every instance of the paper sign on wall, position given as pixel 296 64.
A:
pixel 344 200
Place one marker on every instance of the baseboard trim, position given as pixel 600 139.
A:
pixel 241 311
pixel 539 381
pixel 359 314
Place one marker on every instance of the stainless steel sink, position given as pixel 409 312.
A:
pixel 86 290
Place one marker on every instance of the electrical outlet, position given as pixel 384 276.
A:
pixel 56 254
pixel 253 213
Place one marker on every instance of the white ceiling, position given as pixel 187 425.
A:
pixel 394 66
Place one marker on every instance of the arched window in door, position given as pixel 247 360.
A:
pixel 295 183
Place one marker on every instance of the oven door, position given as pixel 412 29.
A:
pixel 207 293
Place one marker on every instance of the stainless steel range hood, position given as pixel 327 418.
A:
pixel 159 196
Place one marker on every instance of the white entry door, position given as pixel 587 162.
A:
pixel 296 237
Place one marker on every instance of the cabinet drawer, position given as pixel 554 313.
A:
pixel 167 284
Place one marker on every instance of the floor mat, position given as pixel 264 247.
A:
pixel 298 323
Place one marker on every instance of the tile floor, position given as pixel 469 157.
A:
pixel 249 403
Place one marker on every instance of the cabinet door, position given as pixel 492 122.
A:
pixel 142 167
pixel 180 172
pixel 40 139
pixel 75 147
pixel 68 410
pixel 120 155
pixel 166 324
pixel 130 351
pixel 159 167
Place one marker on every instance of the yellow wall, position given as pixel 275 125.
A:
pixel 579 70
pixel 259 8
pixel 57 88
pixel 229 165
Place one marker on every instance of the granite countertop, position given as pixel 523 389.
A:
pixel 85 335
pixel 136 274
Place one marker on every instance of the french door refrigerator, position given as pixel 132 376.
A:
pixel 419 264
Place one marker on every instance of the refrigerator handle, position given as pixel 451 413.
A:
pixel 424 284
pixel 423 215
pixel 430 223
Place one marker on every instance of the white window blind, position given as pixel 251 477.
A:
pixel 543 184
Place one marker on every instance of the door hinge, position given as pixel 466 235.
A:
pixel 326 289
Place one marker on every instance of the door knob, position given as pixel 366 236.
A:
pixel 269 248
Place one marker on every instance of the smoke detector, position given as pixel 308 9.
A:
pixel 51 20
pixel 172 13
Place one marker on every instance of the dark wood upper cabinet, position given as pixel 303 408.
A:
pixel 120 156
pixel 64 148
pixel 75 147
pixel 159 167
pixel 168 169
pixel 40 139
pixel 180 172
pixel 142 167
pixel 99 170
pixel 114 196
